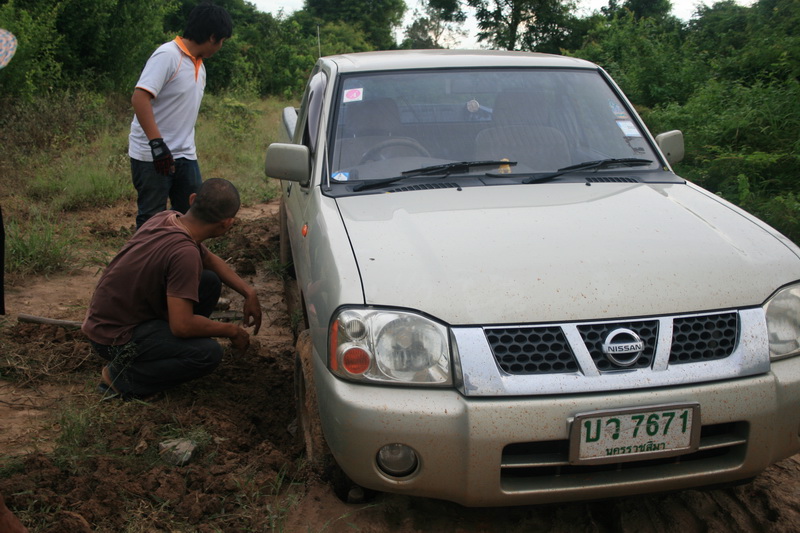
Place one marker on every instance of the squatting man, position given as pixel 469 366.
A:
pixel 149 315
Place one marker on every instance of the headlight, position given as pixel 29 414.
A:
pixel 389 347
pixel 783 322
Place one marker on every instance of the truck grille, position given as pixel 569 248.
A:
pixel 535 350
pixel 538 350
pixel 703 338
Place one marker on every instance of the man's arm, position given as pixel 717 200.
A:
pixel 184 323
pixel 252 307
pixel 142 102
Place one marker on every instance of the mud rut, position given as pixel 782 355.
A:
pixel 249 474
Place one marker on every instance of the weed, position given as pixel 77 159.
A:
pixel 10 465
pixel 296 320
pixel 39 246
pixel 225 152
pixel 274 266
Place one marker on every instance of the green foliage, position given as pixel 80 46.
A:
pixel 375 18
pixel 655 9
pixel 645 58
pixel 551 27
pixel 34 68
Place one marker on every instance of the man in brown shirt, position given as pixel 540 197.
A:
pixel 149 313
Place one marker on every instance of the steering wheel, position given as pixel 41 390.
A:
pixel 370 155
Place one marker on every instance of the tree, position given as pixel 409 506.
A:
pixel 535 25
pixel 656 9
pixel 645 56
pixel 35 67
pixel 551 29
pixel 434 28
pixel 376 18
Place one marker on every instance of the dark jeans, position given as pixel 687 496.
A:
pixel 154 189
pixel 155 360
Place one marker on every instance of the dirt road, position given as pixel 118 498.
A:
pixel 70 463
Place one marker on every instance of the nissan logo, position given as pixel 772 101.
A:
pixel 623 347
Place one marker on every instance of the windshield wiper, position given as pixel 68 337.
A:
pixel 588 165
pixel 455 166
pixel 445 169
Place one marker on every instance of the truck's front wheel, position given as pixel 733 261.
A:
pixel 308 421
pixel 309 426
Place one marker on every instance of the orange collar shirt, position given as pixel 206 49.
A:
pixel 177 81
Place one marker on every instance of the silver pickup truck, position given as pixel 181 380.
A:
pixel 511 297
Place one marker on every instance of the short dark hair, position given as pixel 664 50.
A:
pixel 207 20
pixel 216 201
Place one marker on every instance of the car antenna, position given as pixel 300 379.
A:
pixel 319 44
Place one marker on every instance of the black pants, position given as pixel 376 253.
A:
pixel 155 360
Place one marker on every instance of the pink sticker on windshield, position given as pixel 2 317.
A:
pixel 353 95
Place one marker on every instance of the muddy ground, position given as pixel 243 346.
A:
pixel 70 462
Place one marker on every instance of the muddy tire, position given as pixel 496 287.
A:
pixel 309 425
pixel 291 291
pixel 285 250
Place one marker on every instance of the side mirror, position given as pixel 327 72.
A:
pixel 671 144
pixel 290 162
pixel 289 117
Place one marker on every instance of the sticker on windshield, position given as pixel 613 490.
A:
pixel 353 95
pixel 341 176
pixel 618 110
pixel 628 129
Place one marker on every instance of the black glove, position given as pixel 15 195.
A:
pixel 162 157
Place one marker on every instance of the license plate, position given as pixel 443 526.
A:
pixel 634 434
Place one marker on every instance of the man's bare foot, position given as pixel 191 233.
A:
pixel 106 374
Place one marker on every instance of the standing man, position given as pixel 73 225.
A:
pixel 166 102
pixel 149 315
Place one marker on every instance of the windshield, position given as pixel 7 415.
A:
pixel 388 123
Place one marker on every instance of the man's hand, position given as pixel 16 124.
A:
pixel 241 340
pixel 252 312
pixel 162 157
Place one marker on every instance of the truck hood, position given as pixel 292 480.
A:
pixel 562 252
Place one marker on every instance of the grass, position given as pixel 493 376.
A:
pixel 39 245
pixel 46 193
pixel 48 196
pixel 232 140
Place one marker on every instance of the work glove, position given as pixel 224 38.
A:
pixel 162 157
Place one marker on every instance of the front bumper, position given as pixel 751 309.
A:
pixel 513 450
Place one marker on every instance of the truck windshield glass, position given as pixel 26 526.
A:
pixel 544 119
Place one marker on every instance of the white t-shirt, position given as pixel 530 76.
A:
pixel 177 81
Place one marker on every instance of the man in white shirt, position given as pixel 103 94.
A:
pixel 166 102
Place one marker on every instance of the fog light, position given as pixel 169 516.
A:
pixel 397 460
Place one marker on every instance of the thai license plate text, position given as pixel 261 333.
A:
pixel 630 435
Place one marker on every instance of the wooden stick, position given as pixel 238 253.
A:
pixel 51 321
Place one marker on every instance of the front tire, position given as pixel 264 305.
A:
pixel 309 426
pixel 308 419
